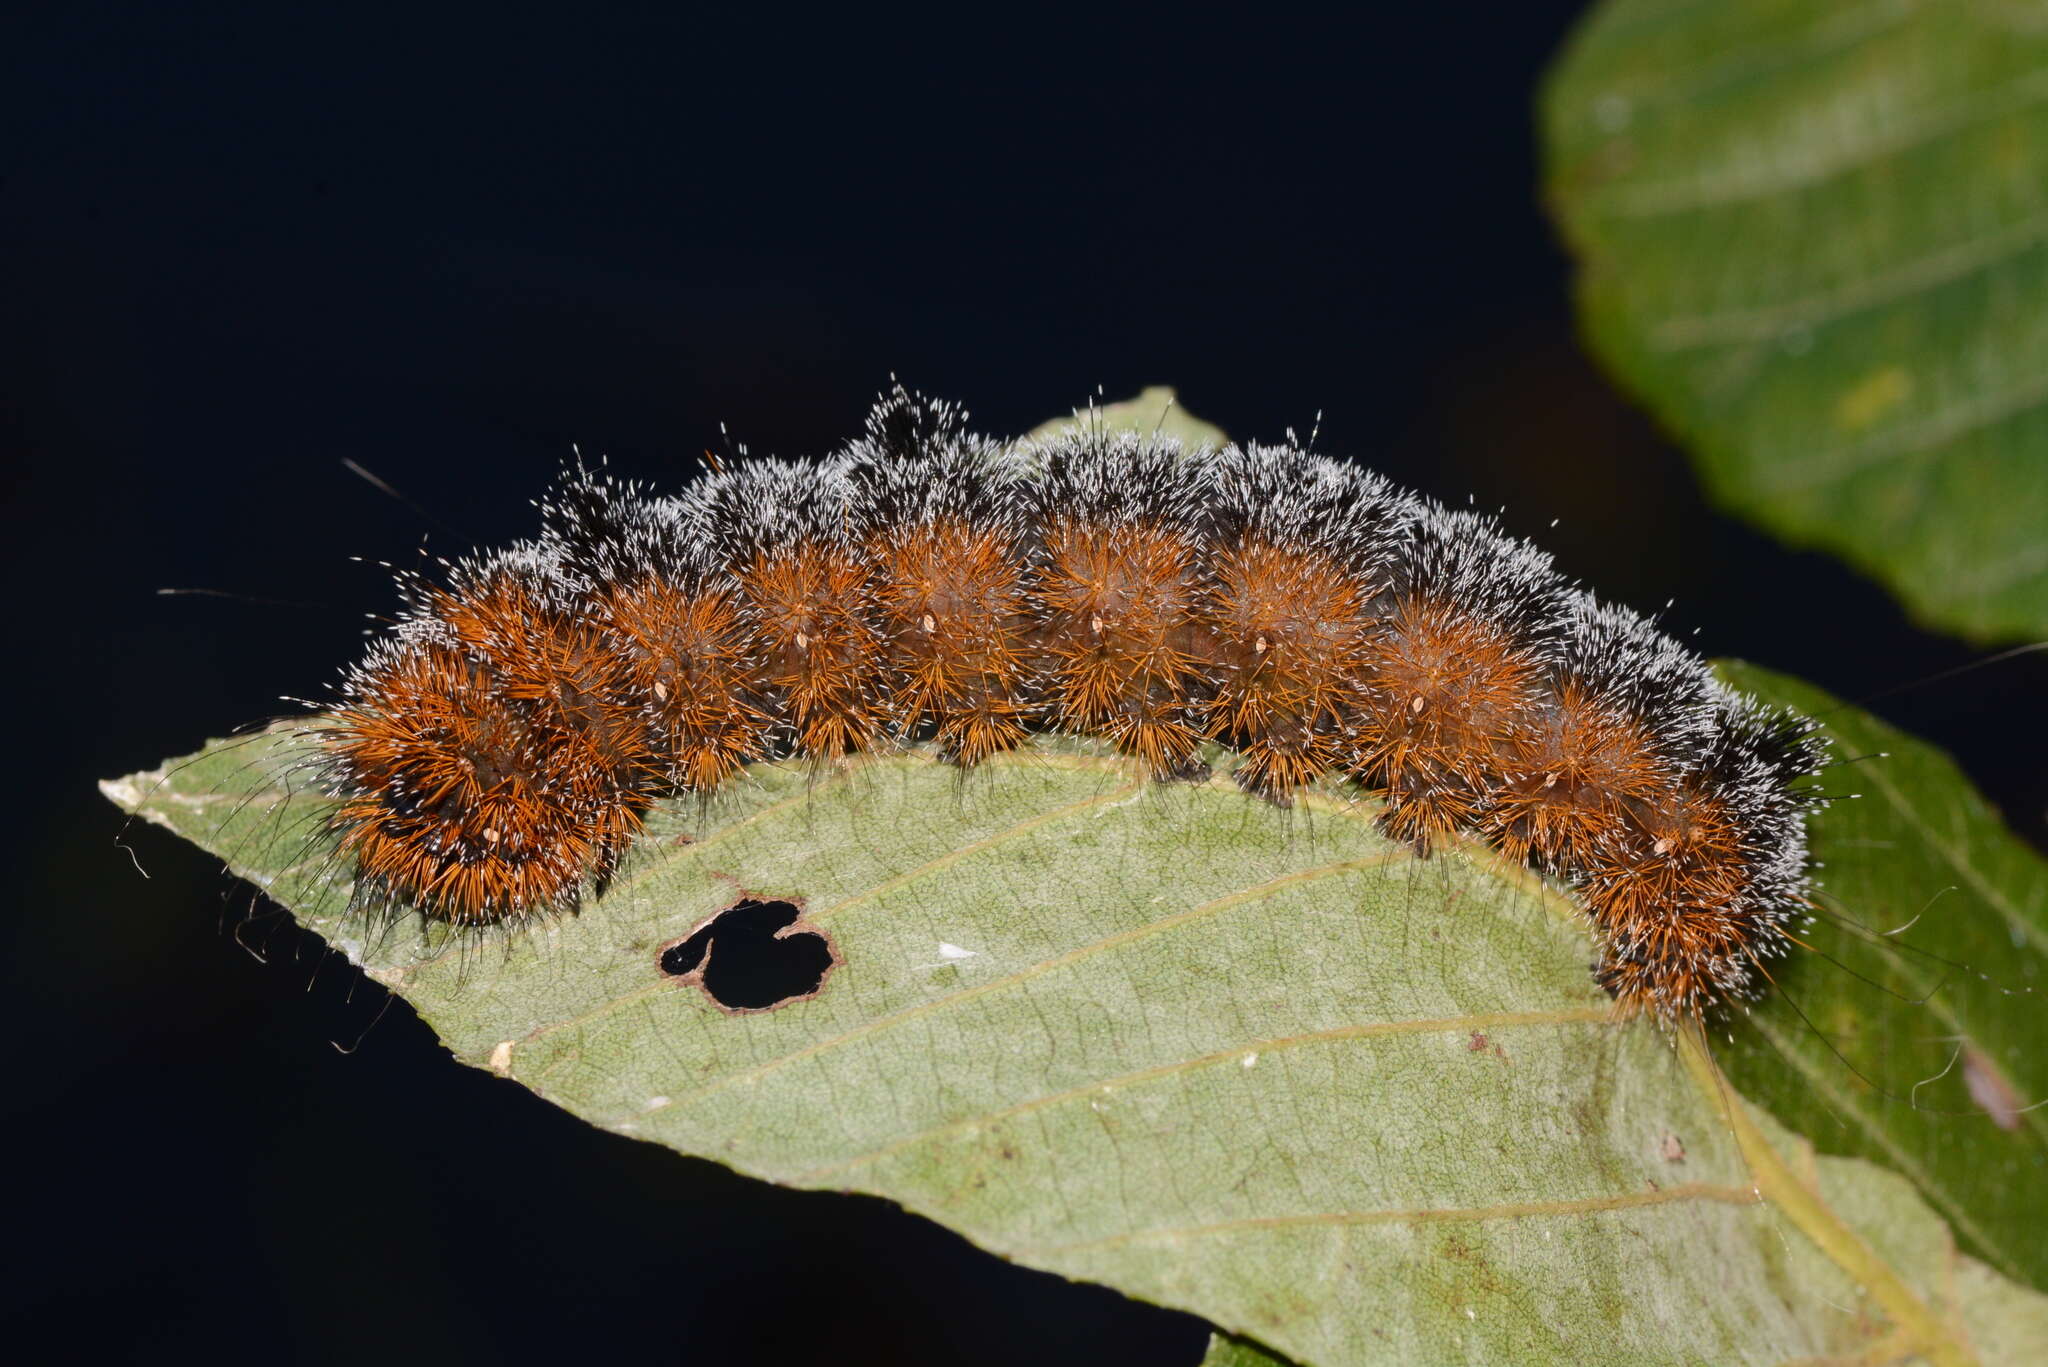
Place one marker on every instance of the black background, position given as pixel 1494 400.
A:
pixel 241 249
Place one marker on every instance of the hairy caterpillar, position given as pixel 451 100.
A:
pixel 496 753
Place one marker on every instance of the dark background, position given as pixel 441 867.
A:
pixel 237 251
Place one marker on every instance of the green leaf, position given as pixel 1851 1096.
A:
pixel 1156 410
pixel 1259 1065
pixel 1814 239
pixel 1228 1350
pixel 1930 978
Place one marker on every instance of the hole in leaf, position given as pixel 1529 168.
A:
pixel 681 960
pixel 753 956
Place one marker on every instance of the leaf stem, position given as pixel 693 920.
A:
pixel 1776 1183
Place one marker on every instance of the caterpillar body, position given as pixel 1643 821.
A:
pixel 494 755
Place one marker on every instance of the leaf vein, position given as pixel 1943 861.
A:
pixel 1681 1194
pixel 1497 1020
pixel 1688 193
pixel 1243 895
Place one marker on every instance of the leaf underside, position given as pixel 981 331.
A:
pixel 1814 239
pixel 1256 1064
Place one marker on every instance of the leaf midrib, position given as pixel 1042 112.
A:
pixel 1902 1161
